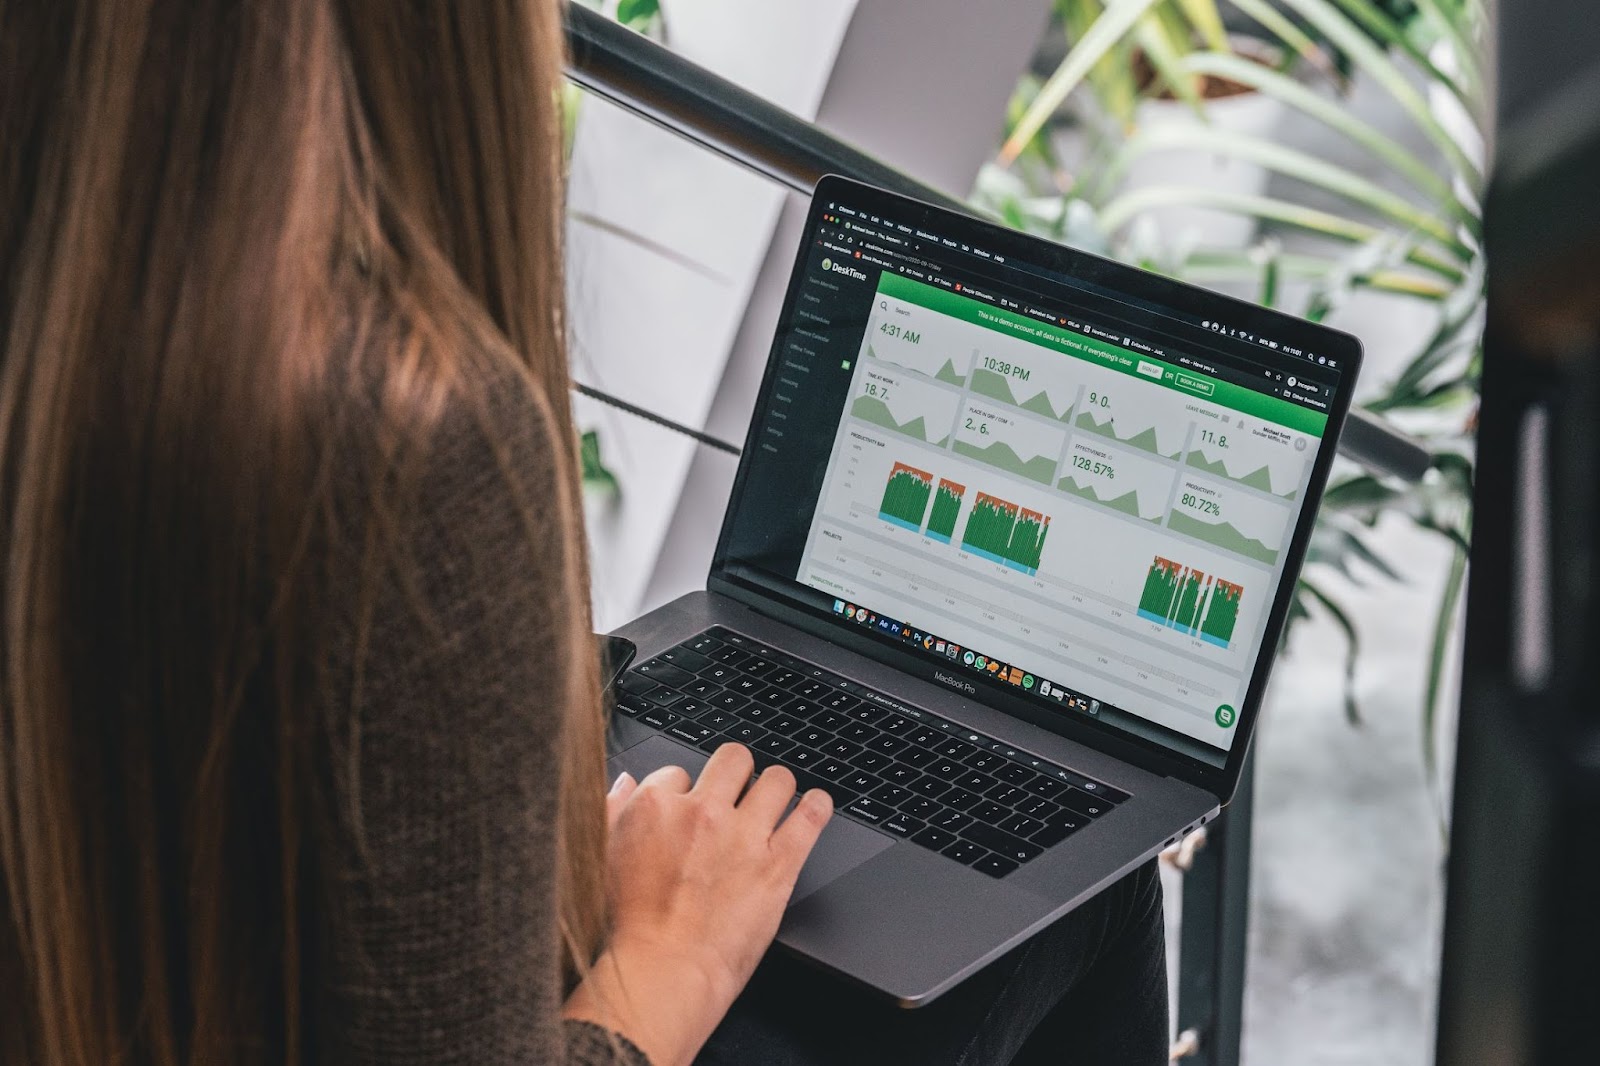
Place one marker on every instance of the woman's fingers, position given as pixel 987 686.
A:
pixel 726 773
pixel 621 789
pixel 798 834
pixel 667 779
pixel 769 796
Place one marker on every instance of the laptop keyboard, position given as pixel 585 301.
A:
pixel 888 765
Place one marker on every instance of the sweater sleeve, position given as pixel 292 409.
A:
pixel 439 869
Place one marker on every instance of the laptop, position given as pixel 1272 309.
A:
pixel 1012 540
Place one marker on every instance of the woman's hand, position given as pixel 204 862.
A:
pixel 699 878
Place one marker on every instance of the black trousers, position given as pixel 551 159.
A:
pixel 1091 989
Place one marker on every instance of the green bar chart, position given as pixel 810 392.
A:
pixel 1005 533
pixel 1182 598
pixel 905 497
pixel 946 506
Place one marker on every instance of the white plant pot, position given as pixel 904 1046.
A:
pixel 1247 113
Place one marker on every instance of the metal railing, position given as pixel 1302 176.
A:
pixel 678 95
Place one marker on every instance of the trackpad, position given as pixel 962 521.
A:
pixel 844 844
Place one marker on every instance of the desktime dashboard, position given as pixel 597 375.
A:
pixel 1047 490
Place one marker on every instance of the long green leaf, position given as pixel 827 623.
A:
pixel 1443 631
pixel 1349 38
pixel 1384 27
pixel 1111 27
pixel 1465 49
pixel 1162 52
pixel 1292 36
pixel 1295 164
pixel 1207 21
pixel 1296 95
pixel 1352 645
pixel 1124 208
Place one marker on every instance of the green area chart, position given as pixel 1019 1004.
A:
pixel 873 410
pixel 1224 536
pixel 1144 440
pixel 1005 533
pixel 998 387
pixel 1190 601
pixel 1260 478
pixel 1001 456
pixel 905 497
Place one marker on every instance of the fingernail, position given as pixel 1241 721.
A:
pixel 623 778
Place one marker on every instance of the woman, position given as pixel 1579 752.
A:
pixel 301 750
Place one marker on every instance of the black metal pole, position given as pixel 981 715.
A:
pixel 1216 924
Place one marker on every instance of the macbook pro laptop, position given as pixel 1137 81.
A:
pixel 1009 551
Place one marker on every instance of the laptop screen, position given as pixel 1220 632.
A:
pixel 1040 471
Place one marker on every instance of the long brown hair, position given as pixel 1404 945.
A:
pixel 205 205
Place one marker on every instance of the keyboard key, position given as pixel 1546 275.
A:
pixel 703 644
pixel 869 810
pixel 810 690
pixel 656 718
pixel 693 732
pixel 755 712
pixel 728 701
pixel 1014 774
pixel 955 749
pixel 927 736
pixel 758 667
pixel 773 697
pixel 867 713
pixel 804 758
pixel 773 744
pixel 960 799
pixel 987 761
pixel 1085 804
pixel 916 757
pixel 839 701
pixel 810 736
pixel 948 769
pixel 1021 825
pixel 1012 847
pixel 936 839
pixel 745 733
pixel 785 725
pixel 829 720
pixel 1047 787
pixel 964 851
pixel 976 781
pixel 664 672
pixel 893 795
pixel 746 686
pixel 719 674
pixel 901 775
pixel 920 807
pixel 662 696
pixel 860 781
pixel 730 656
pixel 691 708
pixel 872 761
pixel 1037 808
pixel 685 659
pixel 635 683
pixel 803 709
pixel 889 745
pixel 989 811
pixel 902 825
pixel 950 821
pixel 1009 795
pixel 931 787
pixel 859 732
pixel 1057 829
pixel 701 688
pixel 994 865
pixel 631 706
pixel 832 769
pixel 841 749
pixel 715 719
pixel 896 725
pixel 782 678
pixel 712 743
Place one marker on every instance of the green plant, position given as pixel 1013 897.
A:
pixel 1415 236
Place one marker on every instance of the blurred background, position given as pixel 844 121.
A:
pixel 1321 156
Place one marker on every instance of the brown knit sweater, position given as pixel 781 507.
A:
pixel 439 939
